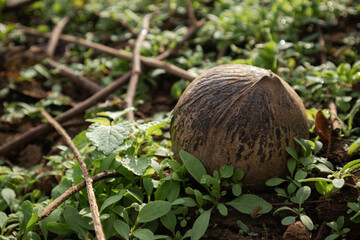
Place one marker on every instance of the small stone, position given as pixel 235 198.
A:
pixel 297 231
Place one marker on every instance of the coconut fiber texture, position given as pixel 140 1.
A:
pixel 239 115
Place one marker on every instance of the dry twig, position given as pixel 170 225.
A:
pixel 335 124
pixel 40 130
pixel 81 81
pixel 55 36
pixel 90 190
pixel 72 190
pixel 170 68
pixel 136 68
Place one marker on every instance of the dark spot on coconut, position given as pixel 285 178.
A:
pixel 262 159
pixel 278 133
pixel 239 152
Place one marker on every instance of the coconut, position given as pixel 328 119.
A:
pixel 239 115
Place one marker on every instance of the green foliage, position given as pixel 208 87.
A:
pixel 300 166
pixel 338 228
pixel 153 194
pixel 244 203
pixel 301 196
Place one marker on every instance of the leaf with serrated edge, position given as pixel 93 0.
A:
pixel 108 138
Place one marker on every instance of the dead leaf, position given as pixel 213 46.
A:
pixel 322 126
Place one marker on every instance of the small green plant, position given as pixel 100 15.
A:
pixel 335 180
pixel 244 203
pixel 244 230
pixel 338 228
pixel 301 196
pixel 300 166
pixel 354 207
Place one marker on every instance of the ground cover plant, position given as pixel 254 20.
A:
pixel 72 60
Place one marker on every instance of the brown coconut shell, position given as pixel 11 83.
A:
pixel 239 115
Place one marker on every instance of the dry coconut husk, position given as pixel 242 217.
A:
pixel 239 115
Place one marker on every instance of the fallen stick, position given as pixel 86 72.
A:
pixel 100 235
pixel 136 67
pixel 335 124
pixel 72 190
pixel 81 81
pixel 42 129
pixel 54 39
pixel 168 67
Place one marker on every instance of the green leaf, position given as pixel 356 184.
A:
pixel 53 217
pixel 112 199
pixel 247 202
pixel 318 146
pixel 198 197
pixel 108 138
pixel 193 165
pixel 300 174
pixel 242 226
pixel 153 210
pixel 173 194
pixel 186 201
pixel 148 186
pixel 226 171
pixel 8 195
pixel 163 191
pixel 349 165
pixel 154 128
pixel 71 216
pixel 169 221
pixel 302 194
pixel 332 236
pixel 25 215
pixel 32 222
pixel 236 189
pixel 307 222
pixel 274 182
pixel 200 225
pixel 283 209
pixel 355 145
pixel 238 175
pixel 291 165
pixel 122 228
pixel 288 220
pixel 33 236
pixel 59 228
pixel 144 234
pixel 340 222
pixel 292 152
pixel 338 183
pixel 115 116
pixel 222 209
pixel 3 219
pixel 136 165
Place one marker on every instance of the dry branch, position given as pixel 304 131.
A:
pixel 90 190
pixel 81 81
pixel 170 68
pixel 136 68
pixel 72 190
pixel 55 36
pixel 42 129
pixel 335 124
